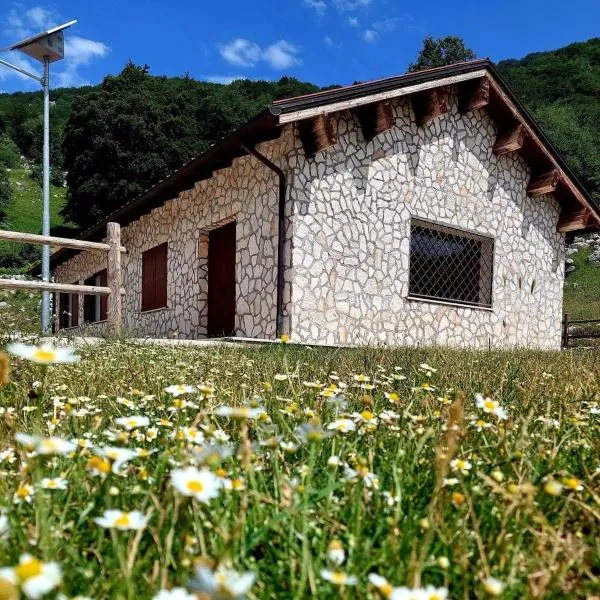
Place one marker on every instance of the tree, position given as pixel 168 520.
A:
pixel 440 52
pixel 9 153
pixel 134 129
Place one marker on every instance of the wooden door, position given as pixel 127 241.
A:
pixel 221 281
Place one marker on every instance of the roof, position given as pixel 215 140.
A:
pixel 267 126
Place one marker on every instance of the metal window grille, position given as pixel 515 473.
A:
pixel 450 264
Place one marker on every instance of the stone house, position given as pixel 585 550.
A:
pixel 422 209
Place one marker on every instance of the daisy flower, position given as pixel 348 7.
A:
pixel 335 552
pixel 45 446
pixel 342 425
pixel 490 406
pixel 34 577
pixel 553 487
pixel 24 493
pixel 116 519
pixel 119 456
pixel 572 483
pixel 178 390
pixel 239 412
pixel 222 583
pixel 338 578
pixel 202 485
pixel 458 464
pixel 44 354
pixel 383 586
pixel 56 483
pixel 132 422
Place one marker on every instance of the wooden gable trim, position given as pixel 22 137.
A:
pixel 375 118
pixel 428 105
pixel 546 183
pixel 510 140
pixel 316 134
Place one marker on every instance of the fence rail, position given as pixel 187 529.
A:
pixel 580 330
pixel 114 275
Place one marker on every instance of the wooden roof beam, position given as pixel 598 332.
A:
pixel 375 118
pixel 428 105
pixel 473 94
pixel 546 183
pixel 316 134
pixel 575 221
pixel 510 140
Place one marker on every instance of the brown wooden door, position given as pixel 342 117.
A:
pixel 221 281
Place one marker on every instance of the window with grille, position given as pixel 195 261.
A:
pixel 451 265
pixel 154 278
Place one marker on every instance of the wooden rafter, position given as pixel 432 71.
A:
pixel 510 140
pixel 316 134
pixel 375 118
pixel 575 221
pixel 473 94
pixel 546 183
pixel 428 105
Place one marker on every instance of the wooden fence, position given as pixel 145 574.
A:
pixel 580 329
pixel 114 275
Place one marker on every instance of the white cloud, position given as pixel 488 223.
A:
pixel 41 18
pixel 79 52
pixel 347 5
pixel 224 79
pixel 318 5
pixel 370 35
pixel 353 22
pixel 241 52
pixel 20 61
pixel 244 53
pixel 281 55
pixel 327 39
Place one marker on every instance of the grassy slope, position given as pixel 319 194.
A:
pixel 25 213
pixel 582 288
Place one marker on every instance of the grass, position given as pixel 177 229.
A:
pixel 25 211
pixel 394 497
pixel 582 288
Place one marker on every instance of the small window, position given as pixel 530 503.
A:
pixel 154 278
pixel 451 265
pixel 95 307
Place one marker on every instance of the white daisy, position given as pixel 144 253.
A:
pixel 132 422
pixel 342 425
pixel 116 519
pixel 174 594
pixel 338 578
pixel 35 577
pixel 239 412
pixel 44 354
pixel 202 485
pixel 491 407
pixel 178 390
pixel 222 583
pixel 55 483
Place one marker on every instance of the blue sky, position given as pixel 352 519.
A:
pixel 322 41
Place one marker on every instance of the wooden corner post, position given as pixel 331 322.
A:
pixel 114 278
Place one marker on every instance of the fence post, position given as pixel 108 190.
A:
pixel 565 331
pixel 114 278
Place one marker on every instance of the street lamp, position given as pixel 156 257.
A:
pixel 46 47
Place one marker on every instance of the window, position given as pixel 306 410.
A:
pixel 95 307
pixel 154 278
pixel 450 264
pixel 69 310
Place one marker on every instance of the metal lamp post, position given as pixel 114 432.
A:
pixel 46 47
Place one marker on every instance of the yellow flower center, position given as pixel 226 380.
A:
pixel 237 484
pixel 195 486
pixel 132 423
pixel 571 482
pixel 123 520
pixel 460 464
pixel 28 569
pixel 98 464
pixel 489 404
pixel 221 473
pixel 22 492
pixel 44 355
pixel 367 415
pixel 338 578
pixel 51 484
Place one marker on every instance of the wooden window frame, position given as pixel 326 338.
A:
pixel 154 289
pixel 68 309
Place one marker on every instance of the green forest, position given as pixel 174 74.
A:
pixel 114 140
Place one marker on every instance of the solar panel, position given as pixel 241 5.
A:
pixel 49 44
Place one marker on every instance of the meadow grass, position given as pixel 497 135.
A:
pixel 425 488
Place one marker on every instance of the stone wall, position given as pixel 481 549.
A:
pixel 352 205
pixel 247 193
